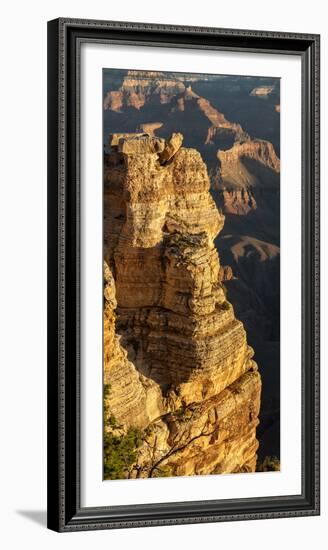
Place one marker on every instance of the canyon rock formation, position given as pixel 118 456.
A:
pixel 177 366
pixel 237 134
pixel 247 177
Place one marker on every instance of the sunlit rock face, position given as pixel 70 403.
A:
pixel 135 91
pixel 177 361
pixel 247 178
pixel 133 399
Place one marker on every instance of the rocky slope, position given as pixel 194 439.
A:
pixel 247 189
pixel 177 365
pixel 247 178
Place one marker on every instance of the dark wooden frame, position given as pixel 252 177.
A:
pixel 64 40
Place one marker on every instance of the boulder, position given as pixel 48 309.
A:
pixel 172 146
pixel 140 145
pixel 115 138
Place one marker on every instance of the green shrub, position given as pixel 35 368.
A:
pixel 180 411
pixel 120 453
pixel 268 464
pixel 225 306
pixel 120 449
pixel 112 422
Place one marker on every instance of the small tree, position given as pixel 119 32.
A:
pixel 120 448
pixel 120 453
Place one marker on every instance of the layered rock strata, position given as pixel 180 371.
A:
pixel 248 174
pixel 177 362
pixel 134 399
pixel 137 88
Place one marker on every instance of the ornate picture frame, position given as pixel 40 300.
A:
pixel 65 511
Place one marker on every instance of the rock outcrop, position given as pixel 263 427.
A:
pixel 177 362
pixel 262 91
pixel 138 86
pixel 247 176
pixel 134 400
pixel 258 150
pixel 150 127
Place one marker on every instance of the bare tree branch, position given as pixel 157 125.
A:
pixel 177 448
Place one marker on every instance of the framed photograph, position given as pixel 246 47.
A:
pixel 183 274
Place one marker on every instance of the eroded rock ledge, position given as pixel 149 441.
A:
pixel 176 359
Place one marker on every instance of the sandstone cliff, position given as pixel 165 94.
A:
pixel 247 173
pixel 177 365
pixel 139 87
